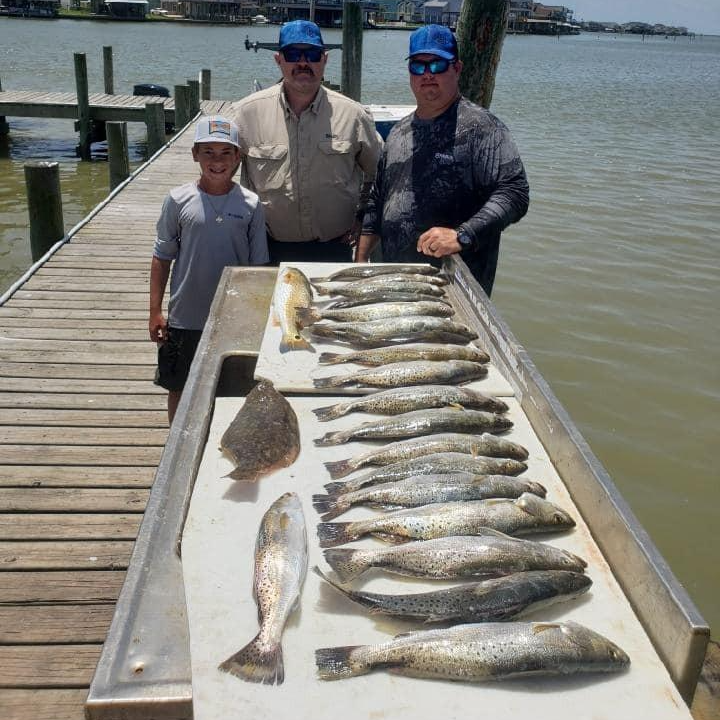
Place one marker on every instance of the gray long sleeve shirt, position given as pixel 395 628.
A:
pixel 459 170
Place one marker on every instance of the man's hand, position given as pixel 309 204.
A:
pixel 439 242
pixel 353 234
pixel 158 328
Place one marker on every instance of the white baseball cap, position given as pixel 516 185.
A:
pixel 215 128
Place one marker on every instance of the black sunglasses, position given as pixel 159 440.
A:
pixel 435 67
pixel 311 55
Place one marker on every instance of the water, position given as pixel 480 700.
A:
pixel 612 280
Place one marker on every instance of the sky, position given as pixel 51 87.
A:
pixel 700 16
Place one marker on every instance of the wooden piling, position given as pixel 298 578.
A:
pixel 194 90
pixel 4 127
pixel 205 84
pixel 118 156
pixel 351 73
pixel 42 184
pixel 182 106
pixel 108 70
pixel 155 124
pixel 84 124
pixel 480 35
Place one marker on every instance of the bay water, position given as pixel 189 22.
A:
pixel 612 280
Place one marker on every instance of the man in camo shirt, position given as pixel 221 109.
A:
pixel 450 178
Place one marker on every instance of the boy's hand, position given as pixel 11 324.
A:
pixel 158 328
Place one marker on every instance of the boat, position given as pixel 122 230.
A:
pixel 148 667
pixel 259 20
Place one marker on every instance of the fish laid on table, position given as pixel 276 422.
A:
pixel 362 288
pixel 292 291
pixel 381 295
pixel 264 435
pixel 280 566
pixel 492 600
pixel 404 353
pixel 397 330
pixel 526 514
pixel 376 311
pixel 435 464
pixel 426 489
pixel 480 652
pixel 487 554
pixel 356 272
pixel 412 372
pixel 485 444
pixel 420 422
pixel 397 401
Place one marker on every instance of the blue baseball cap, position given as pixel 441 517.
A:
pixel 300 32
pixel 433 40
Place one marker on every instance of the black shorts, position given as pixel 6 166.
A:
pixel 312 251
pixel 175 356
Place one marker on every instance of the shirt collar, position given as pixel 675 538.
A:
pixel 315 106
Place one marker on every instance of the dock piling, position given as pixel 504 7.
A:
pixel 205 84
pixel 155 124
pixel 4 127
pixel 84 123
pixel 118 157
pixel 182 106
pixel 42 184
pixel 108 70
pixel 194 90
pixel 351 72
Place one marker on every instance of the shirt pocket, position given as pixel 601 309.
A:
pixel 337 159
pixel 267 166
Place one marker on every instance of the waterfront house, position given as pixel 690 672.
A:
pixel 441 12
pixel 30 8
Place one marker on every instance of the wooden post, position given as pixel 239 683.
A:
pixel 108 70
pixel 84 124
pixel 4 127
pixel 351 73
pixel 480 35
pixel 182 109
pixel 205 84
pixel 155 123
pixel 194 90
pixel 312 10
pixel 42 183
pixel 118 157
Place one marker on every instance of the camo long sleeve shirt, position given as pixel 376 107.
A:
pixel 461 169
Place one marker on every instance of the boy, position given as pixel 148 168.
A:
pixel 204 226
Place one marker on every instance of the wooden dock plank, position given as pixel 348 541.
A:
pixel 77 401
pixel 117 334
pixel 79 455
pixel 79 326
pixel 42 704
pixel 63 555
pixel 52 624
pixel 84 418
pixel 75 385
pixel 63 500
pixel 75 476
pixel 61 666
pixel 68 526
pixel 76 371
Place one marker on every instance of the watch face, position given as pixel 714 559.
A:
pixel 464 239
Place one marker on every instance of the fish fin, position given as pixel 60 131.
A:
pixel 347 562
pixel 257 662
pixel 332 381
pixel 336 585
pixel 335 663
pixel 335 488
pixel 306 316
pixel 331 438
pixel 321 290
pixel 329 506
pixel 542 627
pixel 332 534
pixel 296 342
pixel 456 406
pixel 392 539
pixel 340 468
pixel 331 412
pixel 328 358
pixel 242 475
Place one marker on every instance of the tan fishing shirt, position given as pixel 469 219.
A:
pixel 308 171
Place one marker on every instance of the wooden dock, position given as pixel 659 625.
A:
pixel 82 429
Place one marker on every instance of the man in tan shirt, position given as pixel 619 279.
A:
pixel 307 153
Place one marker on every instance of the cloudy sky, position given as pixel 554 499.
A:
pixel 701 16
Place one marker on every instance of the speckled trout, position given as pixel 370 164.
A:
pixel 362 288
pixel 354 272
pixel 381 295
pixel 485 444
pixel 397 401
pixel 376 311
pixel 280 567
pixel 292 291
pixel 526 514
pixel 492 600
pixel 404 353
pixel 480 652
pixel 426 489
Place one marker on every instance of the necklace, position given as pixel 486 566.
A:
pixel 218 213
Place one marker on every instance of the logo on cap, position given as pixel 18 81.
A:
pixel 219 126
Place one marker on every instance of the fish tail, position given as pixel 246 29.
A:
pixel 331 438
pixel 306 316
pixel 295 342
pixel 332 412
pixel 537 489
pixel 329 506
pixel 328 358
pixel 336 663
pixel 332 534
pixel 257 662
pixel 314 280
pixel 348 563
pixel 340 468
pixel 336 488
pixel 334 381
pixel 318 288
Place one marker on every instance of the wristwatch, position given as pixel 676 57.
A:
pixel 466 242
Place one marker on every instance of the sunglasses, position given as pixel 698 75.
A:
pixel 435 67
pixel 311 55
